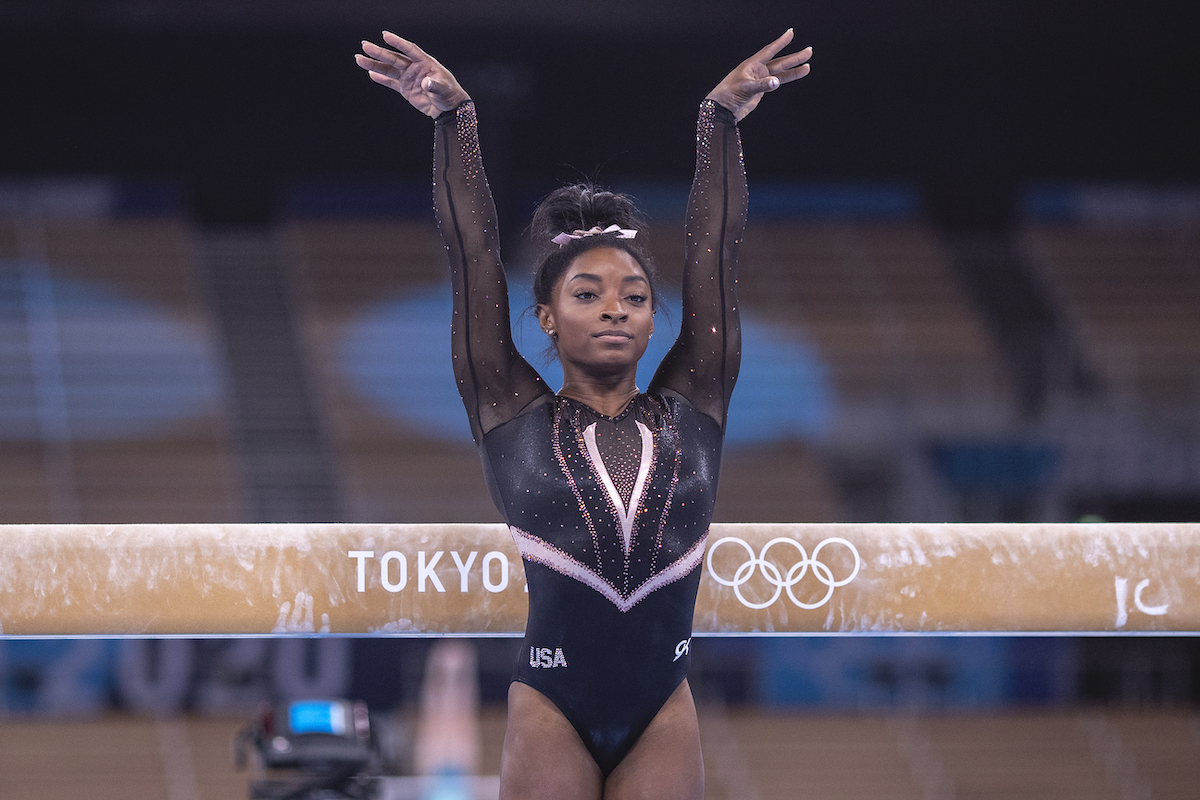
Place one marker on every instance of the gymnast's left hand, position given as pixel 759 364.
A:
pixel 743 88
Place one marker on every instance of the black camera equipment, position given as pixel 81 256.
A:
pixel 312 750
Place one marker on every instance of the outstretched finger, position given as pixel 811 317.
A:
pixel 770 51
pixel 383 55
pixel 406 48
pixel 381 63
pixel 790 61
pixel 793 74
pixel 371 65
pixel 383 79
pixel 789 75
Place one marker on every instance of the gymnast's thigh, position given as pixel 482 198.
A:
pixel 666 763
pixel 543 755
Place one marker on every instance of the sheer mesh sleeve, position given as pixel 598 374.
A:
pixel 495 381
pixel 703 363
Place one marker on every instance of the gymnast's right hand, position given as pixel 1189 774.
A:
pixel 412 72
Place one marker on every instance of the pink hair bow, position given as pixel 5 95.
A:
pixel 622 233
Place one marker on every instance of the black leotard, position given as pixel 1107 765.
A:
pixel 609 513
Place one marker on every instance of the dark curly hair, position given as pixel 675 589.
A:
pixel 582 206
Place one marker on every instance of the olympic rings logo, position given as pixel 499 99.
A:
pixel 794 575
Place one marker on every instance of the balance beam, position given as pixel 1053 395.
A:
pixel 431 580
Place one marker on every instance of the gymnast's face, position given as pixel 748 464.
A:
pixel 600 312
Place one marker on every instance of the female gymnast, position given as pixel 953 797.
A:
pixel 607 490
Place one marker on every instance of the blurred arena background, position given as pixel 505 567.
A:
pixel 971 292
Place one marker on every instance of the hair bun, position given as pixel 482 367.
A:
pixel 582 206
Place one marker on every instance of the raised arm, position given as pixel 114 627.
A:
pixel 494 380
pixel 703 363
